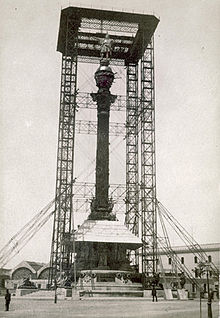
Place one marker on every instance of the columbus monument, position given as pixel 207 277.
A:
pixel 102 241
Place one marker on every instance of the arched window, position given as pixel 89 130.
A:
pixel 44 274
pixel 22 272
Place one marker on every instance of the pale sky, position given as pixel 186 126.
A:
pixel 187 51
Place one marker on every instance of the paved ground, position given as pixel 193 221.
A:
pixel 109 308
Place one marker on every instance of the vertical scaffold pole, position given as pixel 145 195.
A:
pixel 148 168
pixel 132 197
pixel 61 253
pixel 132 178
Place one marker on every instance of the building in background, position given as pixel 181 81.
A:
pixel 191 261
pixel 38 272
pixel 4 275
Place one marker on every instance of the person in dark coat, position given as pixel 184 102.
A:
pixel 154 293
pixel 7 300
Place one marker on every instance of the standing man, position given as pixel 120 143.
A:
pixel 154 292
pixel 7 300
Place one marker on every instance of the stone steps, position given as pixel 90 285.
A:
pixel 41 294
pixel 110 289
pixel 112 293
pixel 115 287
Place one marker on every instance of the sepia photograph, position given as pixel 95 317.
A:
pixel 109 165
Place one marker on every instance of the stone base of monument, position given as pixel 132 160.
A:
pixel 182 294
pixel 63 293
pixel 147 293
pixel 168 294
pixel 25 291
pixel 109 283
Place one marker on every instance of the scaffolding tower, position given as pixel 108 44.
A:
pixel 80 36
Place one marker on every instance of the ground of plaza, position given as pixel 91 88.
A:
pixel 99 308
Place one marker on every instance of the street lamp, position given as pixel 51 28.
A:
pixel 205 268
pixel 74 264
pixel 55 291
pixel 208 269
pixel 198 272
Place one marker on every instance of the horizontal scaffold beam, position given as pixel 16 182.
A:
pixel 86 190
pixel 84 100
pixel 90 127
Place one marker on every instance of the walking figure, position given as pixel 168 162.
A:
pixel 154 293
pixel 7 300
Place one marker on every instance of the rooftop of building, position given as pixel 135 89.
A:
pixel 205 247
pixel 36 265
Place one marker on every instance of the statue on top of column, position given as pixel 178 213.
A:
pixel 106 47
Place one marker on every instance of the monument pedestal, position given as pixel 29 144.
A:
pixel 101 262
pixel 102 245
pixel 109 283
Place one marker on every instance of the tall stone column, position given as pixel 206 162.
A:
pixel 101 207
